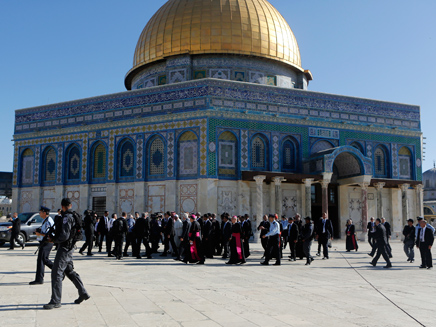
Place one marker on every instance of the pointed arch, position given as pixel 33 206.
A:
pixel 188 154
pixel 156 161
pixel 27 166
pixel 259 153
pixel 227 154
pixel 98 162
pixel 405 162
pixel 381 162
pixel 126 159
pixel 73 163
pixel 289 154
pixel 49 165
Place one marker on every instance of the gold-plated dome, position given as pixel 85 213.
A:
pixel 248 27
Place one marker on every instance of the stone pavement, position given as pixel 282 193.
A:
pixel 162 292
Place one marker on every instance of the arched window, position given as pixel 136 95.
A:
pixel 188 154
pixel 73 163
pixel 404 158
pixel 259 152
pixel 156 158
pixel 27 164
pixel 126 159
pixel 227 143
pixel 289 156
pixel 49 165
pixel 358 146
pixel 99 158
pixel 321 146
pixel 380 162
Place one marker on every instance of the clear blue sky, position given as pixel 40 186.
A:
pixel 54 51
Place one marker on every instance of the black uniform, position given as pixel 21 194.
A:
pixel 380 238
pixel 63 263
pixel 16 228
pixel 235 244
pixel 102 229
pixel 43 252
pixel 246 232
pixel 207 242
pixel 216 237
pixel 273 247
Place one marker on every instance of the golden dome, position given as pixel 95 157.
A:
pixel 248 27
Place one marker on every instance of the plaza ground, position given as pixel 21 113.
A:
pixel 342 291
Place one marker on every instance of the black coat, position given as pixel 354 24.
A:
pixel 246 229
pixel 265 225
pixel 227 231
pixel 292 232
pixel 141 227
pixel 388 229
pixel 102 225
pixel 89 225
pixel 168 228
pixel 380 234
pixel 193 230
pixel 307 234
pixel 185 230
pixel 328 228
pixel 409 233
pixel 428 237
pixel 16 226
pixel 206 229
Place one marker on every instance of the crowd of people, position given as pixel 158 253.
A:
pixel 193 238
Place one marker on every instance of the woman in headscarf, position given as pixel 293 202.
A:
pixel 236 246
pixel 350 232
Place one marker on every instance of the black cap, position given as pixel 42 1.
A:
pixel 44 209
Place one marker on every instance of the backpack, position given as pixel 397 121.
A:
pixel 76 230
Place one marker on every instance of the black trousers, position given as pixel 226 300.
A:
pixel 426 259
pixel 130 241
pixel 142 240
pixel 154 239
pixel 246 245
pixel 388 249
pixel 182 249
pixel 381 251
pixel 14 238
pixel 306 249
pixel 118 250
pixel 293 249
pixel 323 240
pixel 100 239
pixel 43 260
pixel 63 264
pixel 226 248
pixel 167 242
pixel 88 243
pixel 273 248
pixel 109 240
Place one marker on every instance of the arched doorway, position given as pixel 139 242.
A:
pixel 345 165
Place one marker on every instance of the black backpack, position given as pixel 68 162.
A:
pixel 76 231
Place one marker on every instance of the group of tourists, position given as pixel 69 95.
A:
pixel 193 238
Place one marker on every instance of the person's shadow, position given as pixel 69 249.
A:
pixel 20 307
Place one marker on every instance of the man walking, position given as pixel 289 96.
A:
pixel 424 242
pixel 273 247
pixel 292 236
pixel 66 234
pixel 307 237
pixel 168 233
pixel 324 232
pixel 102 229
pixel 16 228
pixel 119 230
pixel 44 246
pixel 89 223
pixel 381 241
pixel 409 240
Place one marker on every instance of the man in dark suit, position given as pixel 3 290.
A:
pixel 141 232
pixel 168 232
pixel 102 229
pixel 388 235
pixel 227 234
pixel 424 242
pixel 324 232
pixel 246 234
pixel 381 240
pixel 371 229
pixel 207 236
pixel 89 224
pixel 264 228
pixel 184 238
pixel 292 236
pixel 16 228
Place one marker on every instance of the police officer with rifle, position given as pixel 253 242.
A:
pixel 67 232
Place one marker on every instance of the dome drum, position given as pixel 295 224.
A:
pixel 229 67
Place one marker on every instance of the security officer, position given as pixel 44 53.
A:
pixel 44 246
pixel 273 247
pixel 65 227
